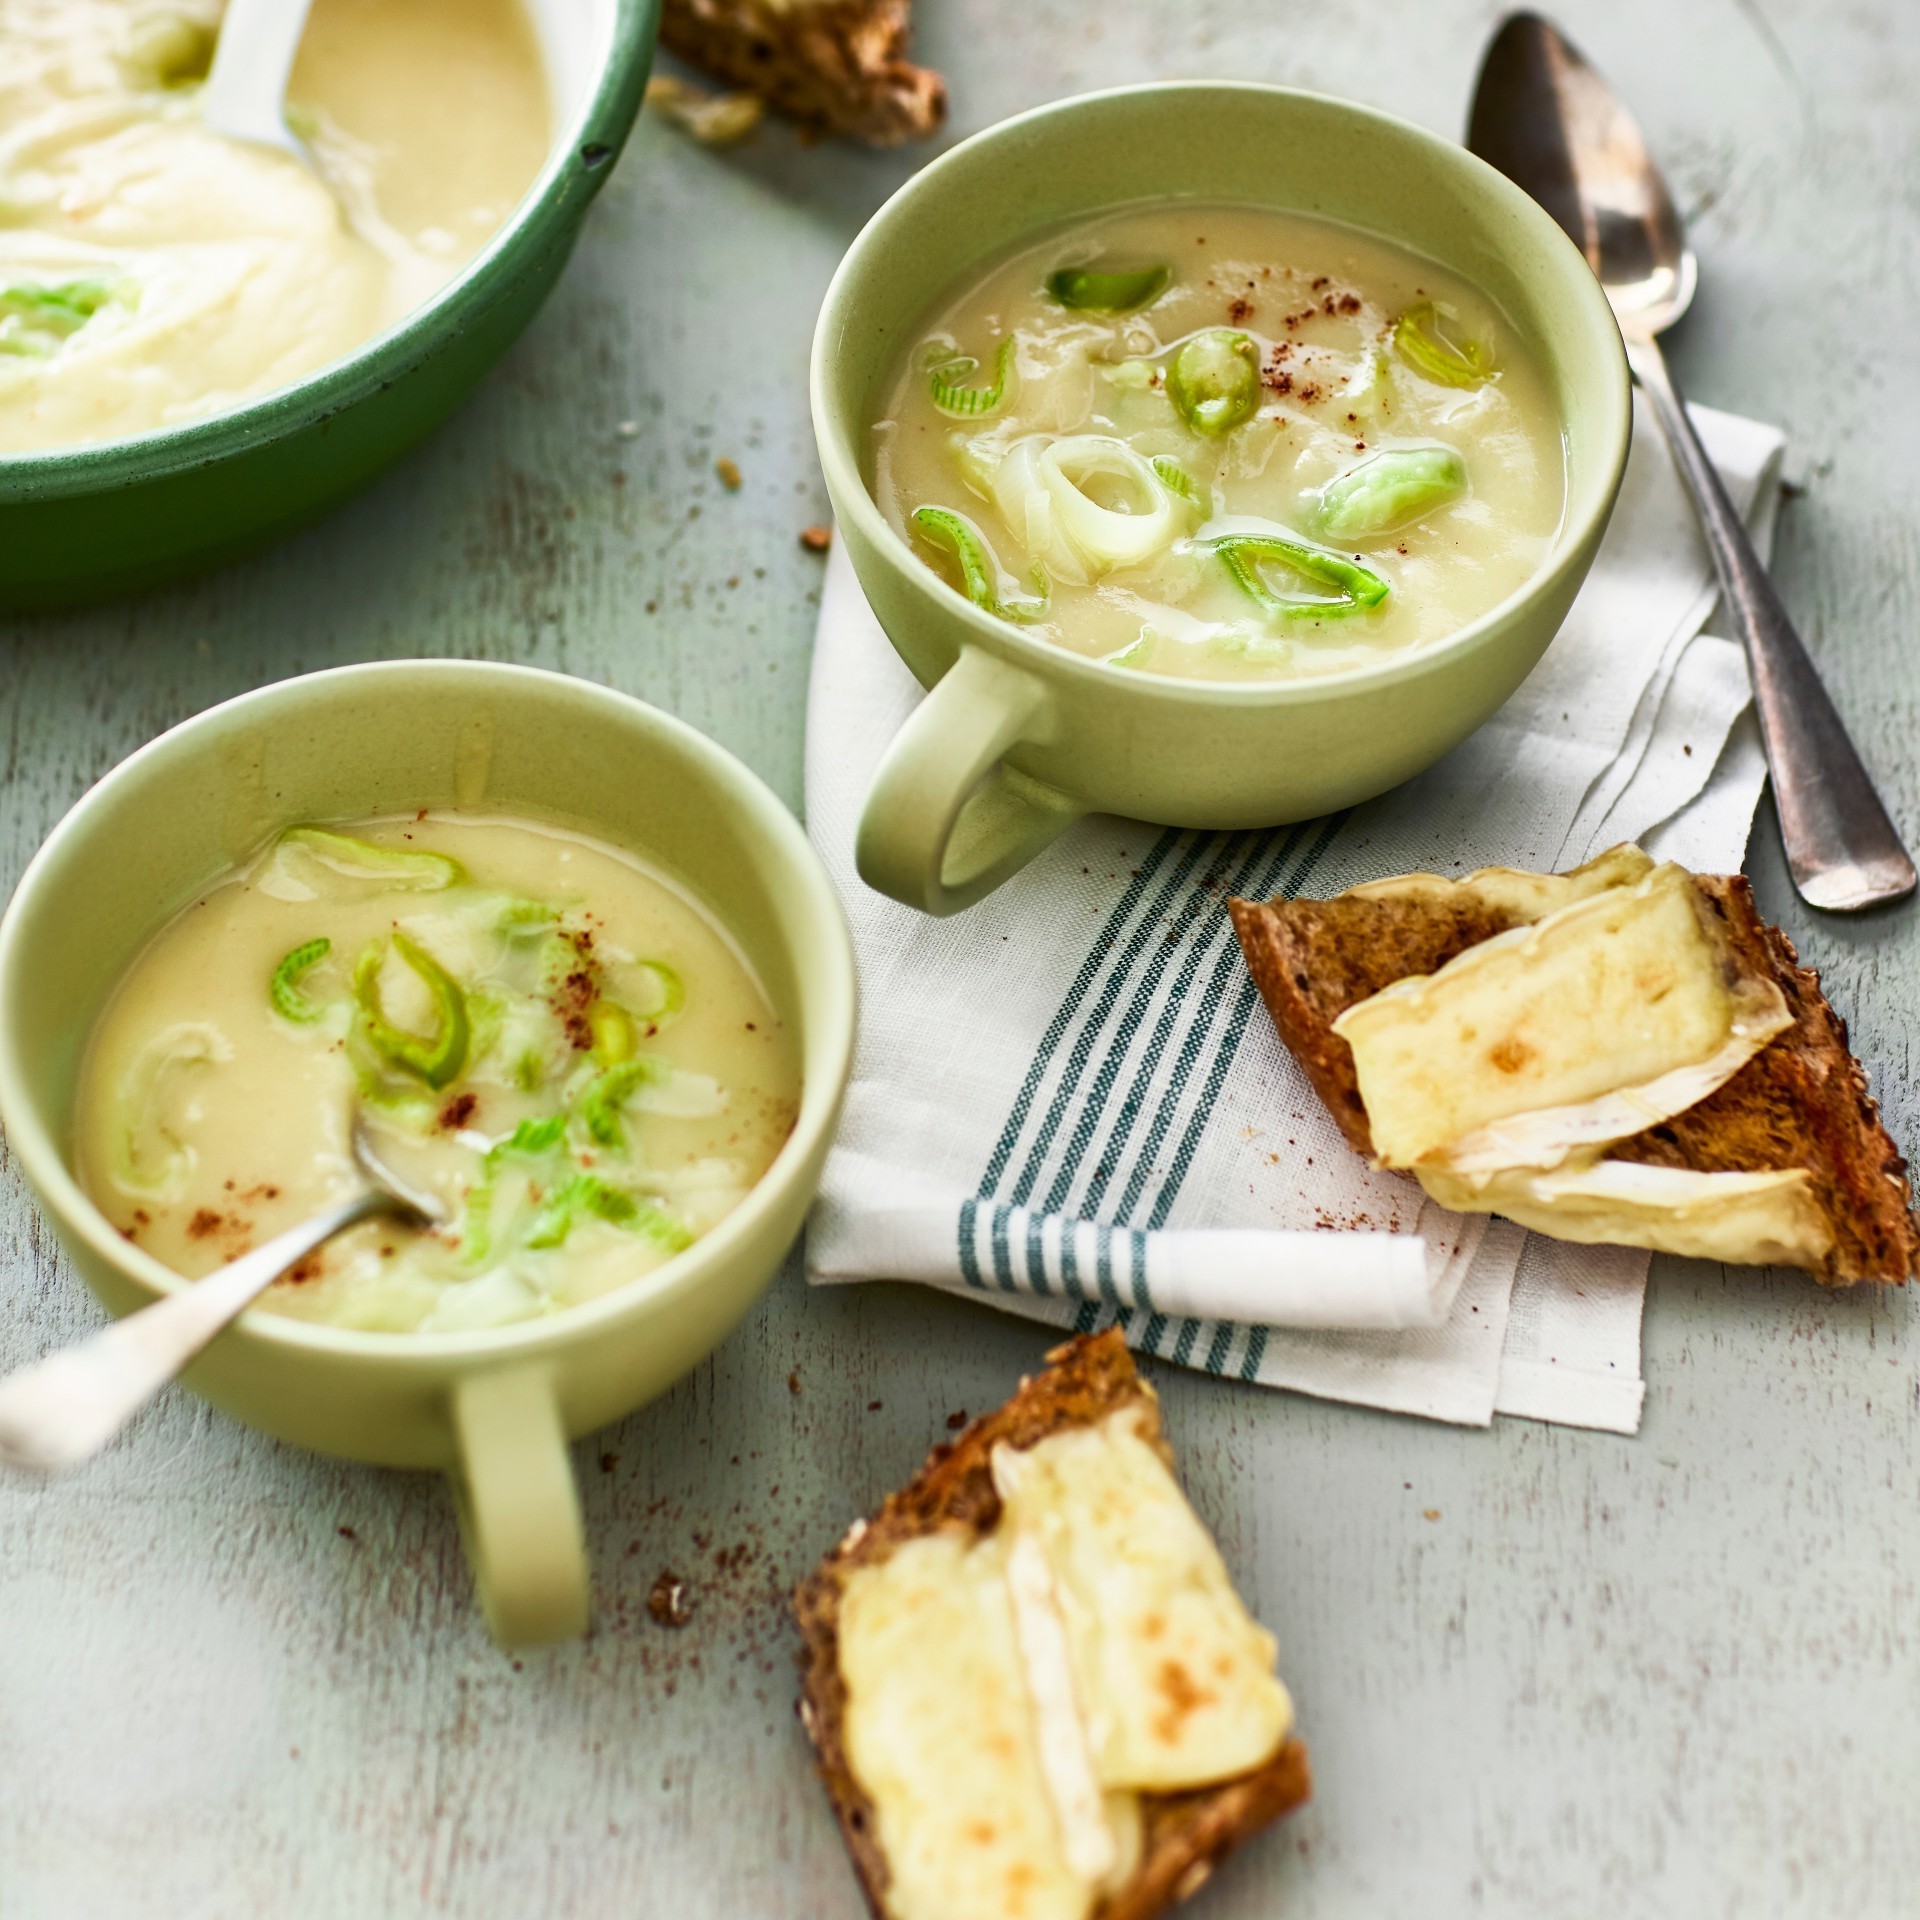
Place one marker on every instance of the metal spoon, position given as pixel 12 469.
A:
pixel 246 91
pixel 1548 121
pixel 62 1410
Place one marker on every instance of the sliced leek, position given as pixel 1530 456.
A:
pixel 1089 292
pixel 1180 483
pixel 1085 504
pixel 953 396
pixel 601 1100
pixel 35 321
pixel 1245 556
pixel 1389 490
pixel 1215 380
pixel 435 1058
pixel 1422 337
pixel 589 1194
pixel 941 527
pixel 362 860
pixel 284 988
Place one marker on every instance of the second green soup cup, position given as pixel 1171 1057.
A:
pixel 496 1409
pixel 1019 738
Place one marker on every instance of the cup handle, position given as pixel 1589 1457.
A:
pixel 519 1508
pixel 946 822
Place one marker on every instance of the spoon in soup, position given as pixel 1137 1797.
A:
pixel 62 1410
pixel 1551 124
pixel 246 91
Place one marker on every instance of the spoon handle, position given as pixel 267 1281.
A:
pixel 245 93
pixel 64 1409
pixel 1843 851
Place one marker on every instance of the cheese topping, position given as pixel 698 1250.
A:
pixel 1752 1218
pixel 1007 1701
pixel 1176 1678
pixel 1513 890
pixel 1612 993
pixel 939 1731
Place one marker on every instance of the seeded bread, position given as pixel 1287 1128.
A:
pixel 1185 1833
pixel 1802 1101
pixel 838 66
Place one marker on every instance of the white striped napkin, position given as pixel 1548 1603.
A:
pixel 1068 1102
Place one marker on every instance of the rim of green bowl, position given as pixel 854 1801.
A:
pixel 840 459
pixel 600 124
pixel 826 1053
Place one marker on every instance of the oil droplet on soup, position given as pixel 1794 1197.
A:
pixel 544 1031
pixel 1223 443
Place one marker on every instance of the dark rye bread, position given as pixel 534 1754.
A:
pixel 1185 1833
pixel 1802 1101
pixel 837 66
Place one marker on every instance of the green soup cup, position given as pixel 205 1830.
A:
pixel 1018 737
pixel 88 522
pixel 494 1410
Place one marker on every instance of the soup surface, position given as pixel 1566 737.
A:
pixel 152 272
pixel 1223 443
pixel 546 1033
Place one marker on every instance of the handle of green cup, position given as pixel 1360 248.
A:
pixel 519 1507
pixel 946 821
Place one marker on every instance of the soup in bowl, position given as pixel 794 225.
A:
pixel 542 999
pixel 1219 456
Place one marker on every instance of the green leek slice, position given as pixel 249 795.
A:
pixel 953 396
pixel 284 988
pixel 1424 343
pixel 1389 489
pixel 1090 292
pixel 672 990
pixel 34 321
pixel 587 1193
pixel 436 1058
pixel 361 860
pixel 942 528
pixel 602 1098
pixel 1215 380
pixel 1355 587
pixel 151 1157
pixel 1181 484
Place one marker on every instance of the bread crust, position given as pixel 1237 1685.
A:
pixel 1185 1833
pixel 838 66
pixel 1801 1102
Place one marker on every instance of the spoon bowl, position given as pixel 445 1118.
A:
pixel 60 1411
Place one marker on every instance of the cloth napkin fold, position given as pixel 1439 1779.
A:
pixel 1068 1102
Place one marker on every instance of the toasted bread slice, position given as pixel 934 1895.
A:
pixel 1184 1833
pixel 837 66
pixel 1800 1103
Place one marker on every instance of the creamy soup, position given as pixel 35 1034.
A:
pixel 1223 443
pixel 548 1034
pixel 152 272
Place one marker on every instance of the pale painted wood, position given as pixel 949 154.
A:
pixel 1667 1676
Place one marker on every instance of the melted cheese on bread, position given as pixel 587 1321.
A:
pixel 1008 1700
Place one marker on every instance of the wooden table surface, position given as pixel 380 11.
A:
pixel 1673 1675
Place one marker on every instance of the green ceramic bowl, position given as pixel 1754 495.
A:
pixel 494 1409
pixel 1019 738
pixel 127 514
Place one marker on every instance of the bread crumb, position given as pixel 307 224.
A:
pixel 708 119
pixel 729 475
pixel 816 539
pixel 667 1600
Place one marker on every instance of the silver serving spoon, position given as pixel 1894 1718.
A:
pixel 1548 121
pixel 246 90
pixel 62 1410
